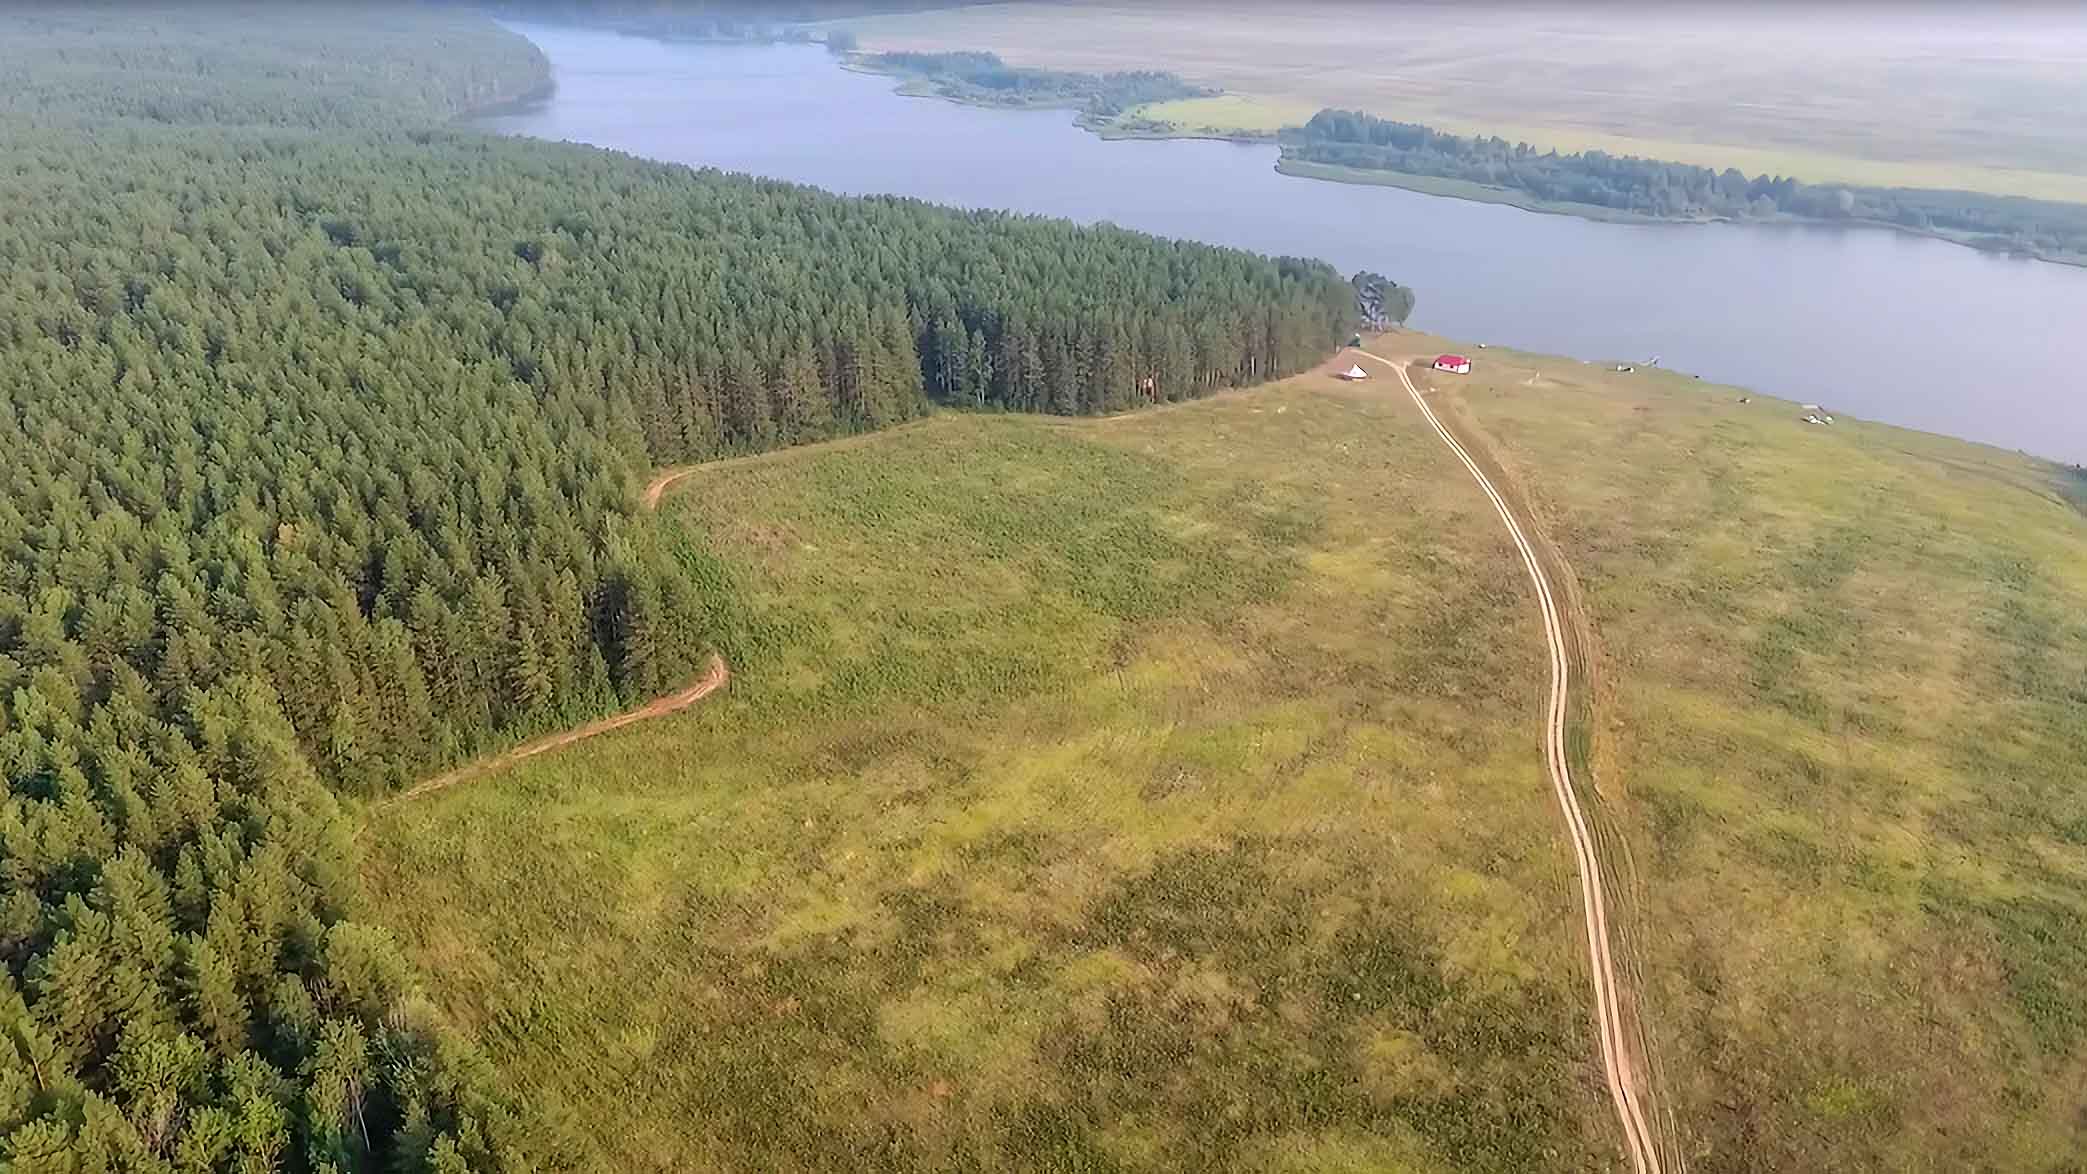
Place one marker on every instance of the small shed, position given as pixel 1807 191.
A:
pixel 1454 364
pixel 1355 373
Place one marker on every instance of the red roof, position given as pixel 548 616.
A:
pixel 1451 361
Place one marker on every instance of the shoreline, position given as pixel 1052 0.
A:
pixel 1458 189
pixel 913 85
pixel 542 91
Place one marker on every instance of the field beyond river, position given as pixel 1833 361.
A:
pixel 1814 93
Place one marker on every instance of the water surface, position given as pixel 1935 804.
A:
pixel 1869 322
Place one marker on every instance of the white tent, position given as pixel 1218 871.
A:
pixel 1355 372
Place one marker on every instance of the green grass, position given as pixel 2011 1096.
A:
pixel 1848 669
pixel 1146 794
pixel 1165 793
pixel 1225 115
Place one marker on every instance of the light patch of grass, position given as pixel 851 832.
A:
pixel 1226 114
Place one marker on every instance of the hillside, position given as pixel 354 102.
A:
pixel 1844 697
pixel 1164 791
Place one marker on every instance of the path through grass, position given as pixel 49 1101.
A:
pixel 1847 716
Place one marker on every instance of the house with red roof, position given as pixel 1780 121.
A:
pixel 1454 364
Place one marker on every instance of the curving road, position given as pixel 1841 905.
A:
pixel 1626 1087
pixel 714 678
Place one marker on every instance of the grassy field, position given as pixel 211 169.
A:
pixel 1913 98
pixel 1156 793
pixel 1845 692
pixel 1164 793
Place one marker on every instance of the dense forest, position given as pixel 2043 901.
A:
pixel 1650 187
pixel 983 79
pixel 321 429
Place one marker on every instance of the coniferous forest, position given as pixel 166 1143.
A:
pixel 322 426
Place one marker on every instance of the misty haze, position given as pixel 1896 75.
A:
pixel 1056 585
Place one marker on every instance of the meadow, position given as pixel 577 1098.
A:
pixel 1139 793
pixel 1844 704
pixel 1821 96
pixel 1164 792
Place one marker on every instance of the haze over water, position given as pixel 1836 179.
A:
pixel 1866 321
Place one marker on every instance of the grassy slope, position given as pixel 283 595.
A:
pixel 1846 692
pixel 1821 96
pixel 1077 773
pixel 1160 792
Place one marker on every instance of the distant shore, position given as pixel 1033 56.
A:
pixel 1487 194
pixel 1128 126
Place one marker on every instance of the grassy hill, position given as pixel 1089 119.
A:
pixel 1845 694
pixel 1164 792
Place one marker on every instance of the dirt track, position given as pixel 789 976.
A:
pixel 714 678
pixel 1626 1084
pixel 666 479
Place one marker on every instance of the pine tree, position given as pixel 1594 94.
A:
pixel 529 679
pixel 802 409
pixel 749 420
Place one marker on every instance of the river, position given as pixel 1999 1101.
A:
pixel 1869 322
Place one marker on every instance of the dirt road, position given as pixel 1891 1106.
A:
pixel 666 479
pixel 713 679
pixel 1626 1084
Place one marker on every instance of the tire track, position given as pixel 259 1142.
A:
pixel 713 679
pixel 1625 1083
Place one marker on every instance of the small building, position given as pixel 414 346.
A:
pixel 1355 374
pixel 1454 364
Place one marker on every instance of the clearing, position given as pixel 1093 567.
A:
pixel 1168 791
pixel 1166 788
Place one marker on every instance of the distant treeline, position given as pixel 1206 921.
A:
pixel 984 79
pixel 1656 188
